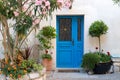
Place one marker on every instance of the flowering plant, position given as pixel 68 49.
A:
pixel 23 16
pixel 91 59
pixel 104 57
pixel 22 67
pixel 47 55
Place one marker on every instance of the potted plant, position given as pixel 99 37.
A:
pixel 47 60
pixel 96 62
pixel 45 35
pixel 104 64
pixel 97 29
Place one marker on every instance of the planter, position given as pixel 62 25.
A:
pixel 102 68
pixel 47 64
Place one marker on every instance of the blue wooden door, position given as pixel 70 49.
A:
pixel 69 41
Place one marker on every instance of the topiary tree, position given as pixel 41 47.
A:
pixel 97 29
pixel 116 1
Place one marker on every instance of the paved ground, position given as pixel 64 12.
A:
pixel 81 76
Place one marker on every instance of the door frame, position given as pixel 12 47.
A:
pixel 82 36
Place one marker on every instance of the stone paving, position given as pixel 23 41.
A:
pixel 81 76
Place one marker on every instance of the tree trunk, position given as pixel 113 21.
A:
pixel 99 44
pixel 6 39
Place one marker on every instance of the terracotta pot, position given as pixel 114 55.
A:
pixel 47 64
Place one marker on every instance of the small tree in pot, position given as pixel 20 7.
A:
pixel 45 35
pixel 97 29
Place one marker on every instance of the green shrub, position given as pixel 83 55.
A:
pixel 46 56
pixel 104 58
pixel 89 60
pixel 45 35
pixel 92 58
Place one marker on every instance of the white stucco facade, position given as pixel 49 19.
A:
pixel 92 10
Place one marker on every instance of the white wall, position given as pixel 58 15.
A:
pixel 100 10
pixel 93 10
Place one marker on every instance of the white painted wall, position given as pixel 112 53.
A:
pixel 93 10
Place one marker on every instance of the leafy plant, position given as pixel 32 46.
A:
pixel 16 71
pixel 116 1
pixel 92 58
pixel 46 55
pixel 45 35
pixel 89 60
pixel 97 29
pixel 104 58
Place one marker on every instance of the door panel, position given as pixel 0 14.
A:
pixel 69 41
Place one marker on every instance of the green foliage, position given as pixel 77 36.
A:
pixel 45 35
pixel 92 58
pixel 49 32
pixel 89 60
pixel 23 24
pixel 7 7
pixel 46 56
pixel 98 28
pixel 116 1
pixel 104 58
pixel 53 6
pixel 16 71
pixel 37 67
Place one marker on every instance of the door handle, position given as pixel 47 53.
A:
pixel 73 42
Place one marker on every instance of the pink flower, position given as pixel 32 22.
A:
pixel 24 8
pixel 16 13
pixel 36 21
pixel 43 7
pixel 108 53
pixel 48 7
pixel 44 12
pixel 38 2
pixel 67 4
pixel 47 3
